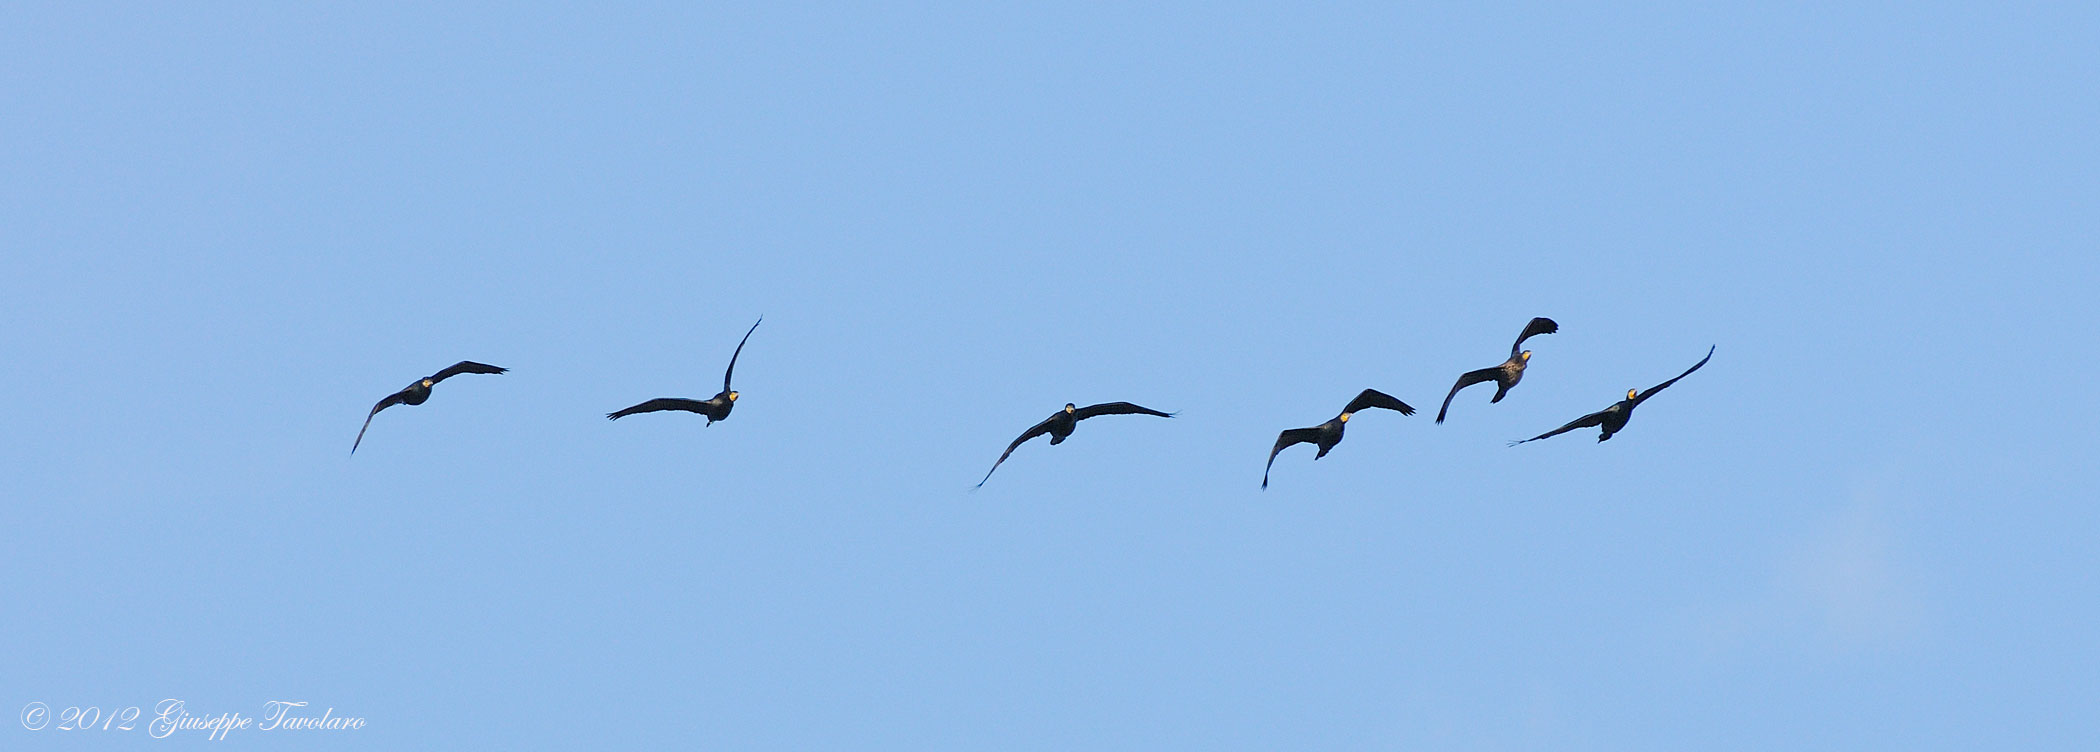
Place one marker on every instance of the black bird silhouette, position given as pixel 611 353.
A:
pixel 1506 375
pixel 715 408
pixel 1060 424
pixel 417 393
pixel 1328 434
pixel 1613 419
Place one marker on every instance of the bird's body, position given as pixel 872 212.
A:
pixel 1325 436
pixel 715 408
pixel 416 393
pixel 1061 424
pixel 1613 419
pixel 1505 375
pixel 1328 434
pixel 1060 427
pixel 419 392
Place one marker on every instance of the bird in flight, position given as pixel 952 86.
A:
pixel 1506 375
pixel 715 408
pixel 417 393
pixel 1328 434
pixel 1613 419
pixel 1060 424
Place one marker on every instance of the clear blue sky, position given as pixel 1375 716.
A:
pixel 225 232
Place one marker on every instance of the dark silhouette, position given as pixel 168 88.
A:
pixel 1613 419
pixel 1328 434
pixel 715 408
pixel 1060 424
pixel 419 392
pixel 1506 375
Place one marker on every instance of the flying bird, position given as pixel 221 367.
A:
pixel 419 392
pixel 1506 375
pixel 715 408
pixel 1060 424
pixel 1613 419
pixel 1328 434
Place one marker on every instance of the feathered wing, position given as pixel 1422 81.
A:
pixel 1038 430
pixel 390 401
pixel 739 351
pixel 1115 408
pixel 464 366
pixel 1467 379
pixel 1540 325
pixel 1374 398
pixel 661 403
pixel 1643 396
pixel 1586 421
pixel 1285 439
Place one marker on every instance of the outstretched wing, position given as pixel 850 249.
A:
pixel 1375 398
pixel 1540 325
pixel 1643 396
pixel 1285 439
pixel 464 366
pixel 661 403
pixel 390 401
pixel 1586 421
pixel 1115 408
pixel 739 351
pixel 1038 430
pixel 1467 379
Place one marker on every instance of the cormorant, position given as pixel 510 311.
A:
pixel 417 393
pixel 715 408
pixel 1613 419
pixel 1060 424
pixel 1506 375
pixel 1328 434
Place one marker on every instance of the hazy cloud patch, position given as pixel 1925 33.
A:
pixel 1851 573
pixel 1846 580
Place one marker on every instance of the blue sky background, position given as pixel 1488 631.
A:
pixel 1866 524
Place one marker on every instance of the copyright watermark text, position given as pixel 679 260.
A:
pixel 170 717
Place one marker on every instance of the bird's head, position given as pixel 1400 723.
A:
pixel 1069 408
pixel 427 383
pixel 732 396
pixel 1631 393
pixel 1525 355
pixel 1344 417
